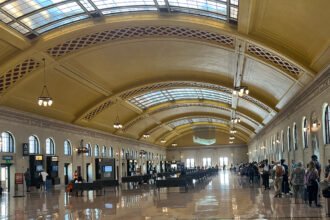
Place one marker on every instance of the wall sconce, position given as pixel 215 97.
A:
pixel 315 124
pixel 305 129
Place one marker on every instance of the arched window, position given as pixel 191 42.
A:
pixel 50 146
pixel 34 146
pixel 104 151
pixel 6 142
pixel 96 150
pixel 67 148
pixel 111 152
pixel 289 139
pixel 304 132
pixel 326 126
pixel 295 137
pixel 89 150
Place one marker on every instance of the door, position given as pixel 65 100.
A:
pixel 5 177
pixel 66 173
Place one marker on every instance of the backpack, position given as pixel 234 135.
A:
pixel 279 171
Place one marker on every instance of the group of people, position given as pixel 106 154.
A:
pixel 302 183
pixel 40 180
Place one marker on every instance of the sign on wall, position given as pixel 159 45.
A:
pixel 25 149
pixel 18 178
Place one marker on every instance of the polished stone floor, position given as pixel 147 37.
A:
pixel 225 196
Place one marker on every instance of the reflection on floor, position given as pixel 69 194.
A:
pixel 225 196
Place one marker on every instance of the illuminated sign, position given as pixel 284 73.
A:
pixel 39 157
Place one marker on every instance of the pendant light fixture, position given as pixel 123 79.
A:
pixel 45 99
pixel 117 124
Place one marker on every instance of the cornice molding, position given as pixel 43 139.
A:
pixel 14 116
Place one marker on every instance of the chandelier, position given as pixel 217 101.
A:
pixel 231 138
pixel 241 90
pixel 45 99
pixel 117 124
pixel 145 136
pixel 235 120
pixel 233 131
pixel 231 142
pixel 163 141
pixel 174 145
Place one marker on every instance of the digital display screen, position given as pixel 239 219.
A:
pixel 54 168
pixel 107 169
pixel 39 168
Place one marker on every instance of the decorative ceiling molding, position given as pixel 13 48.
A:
pixel 275 59
pixel 90 114
pixel 184 105
pixel 15 74
pixel 130 33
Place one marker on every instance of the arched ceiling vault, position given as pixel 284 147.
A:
pixel 170 125
pixel 222 135
pixel 98 68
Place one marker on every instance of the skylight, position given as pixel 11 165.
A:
pixel 147 100
pixel 185 121
pixel 38 16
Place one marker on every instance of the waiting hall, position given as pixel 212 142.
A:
pixel 164 109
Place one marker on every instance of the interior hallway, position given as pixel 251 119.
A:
pixel 221 197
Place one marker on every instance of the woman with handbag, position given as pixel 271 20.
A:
pixel 311 180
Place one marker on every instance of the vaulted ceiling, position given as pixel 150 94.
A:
pixel 164 68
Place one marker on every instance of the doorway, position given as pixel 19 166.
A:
pixel 5 177
pixel 67 173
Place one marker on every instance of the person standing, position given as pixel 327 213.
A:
pixel 311 180
pixel 285 181
pixel 297 180
pixel 279 172
pixel 265 174
pixel 27 177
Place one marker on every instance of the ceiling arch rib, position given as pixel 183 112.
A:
pixel 162 86
pixel 212 108
pixel 195 119
pixel 258 52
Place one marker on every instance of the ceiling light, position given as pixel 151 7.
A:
pixel 233 131
pixel 241 90
pixel 146 136
pixel 235 120
pixel 163 141
pixel 45 99
pixel 174 145
pixel 117 124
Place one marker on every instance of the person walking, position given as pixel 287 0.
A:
pixel 297 181
pixel 43 177
pixel 27 177
pixel 285 181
